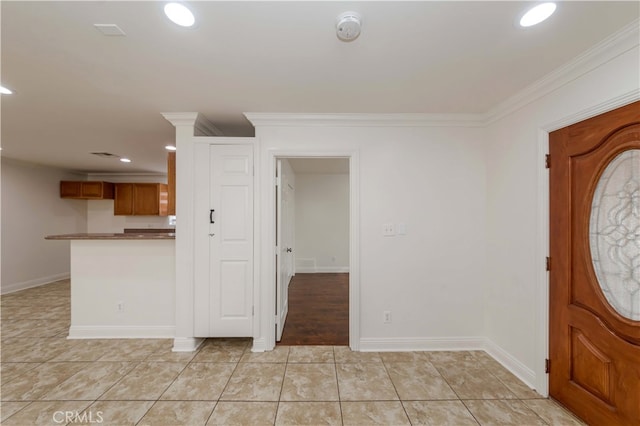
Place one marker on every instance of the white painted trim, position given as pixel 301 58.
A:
pixel 204 127
pixel 120 332
pixel 364 120
pixel 186 344
pixel 268 292
pixel 181 118
pixel 98 176
pixel 541 333
pixel 541 325
pixel 609 105
pixel 259 345
pixel 322 269
pixel 403 344
pixel 13 287
pixel 608 49
pixel 521 371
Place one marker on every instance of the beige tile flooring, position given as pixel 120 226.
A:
pixel 141 382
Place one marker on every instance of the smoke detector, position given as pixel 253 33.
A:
pixel 348 26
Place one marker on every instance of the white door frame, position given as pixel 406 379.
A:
pixel 268 294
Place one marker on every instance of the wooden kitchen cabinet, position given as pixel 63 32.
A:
pixel 86 190
pixel 171 183
pixel 140 199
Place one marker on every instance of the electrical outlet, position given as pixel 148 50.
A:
pixel 387 317
pixel 120 306
pixel 388 230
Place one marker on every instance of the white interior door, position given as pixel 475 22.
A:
pixel 224 241
pixel 285 238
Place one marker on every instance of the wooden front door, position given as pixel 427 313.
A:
pixel 594 315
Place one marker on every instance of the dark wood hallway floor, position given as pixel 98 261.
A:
pixel 318 310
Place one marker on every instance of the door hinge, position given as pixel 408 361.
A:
pixel 278 181
pixel 547 366
pixel 547 161
pixel 276 318
pixel 548 263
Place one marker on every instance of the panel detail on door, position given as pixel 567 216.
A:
pixel 591 369
pixel 232 297
pixel 234 204
pixel 239 165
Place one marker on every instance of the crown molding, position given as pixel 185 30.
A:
pixel 364 120
pixel 608 49
pixel 201 124
pixel 181 118
pixel 204 127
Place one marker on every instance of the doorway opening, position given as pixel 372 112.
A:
pixel 312 211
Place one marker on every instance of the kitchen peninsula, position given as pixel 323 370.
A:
pixel 122 284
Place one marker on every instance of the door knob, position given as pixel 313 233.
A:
pixel 289 249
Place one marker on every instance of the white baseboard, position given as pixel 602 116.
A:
pixel 259 345
pixel 523 372
pixel 322 269
pixel 13 287
pixel 186 344
pixel 401 344
pixel 121 332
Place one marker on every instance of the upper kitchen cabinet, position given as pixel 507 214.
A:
pixel 86 190
pixel 171 183
pixel 141 199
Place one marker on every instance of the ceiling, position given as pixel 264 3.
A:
pixel 78 91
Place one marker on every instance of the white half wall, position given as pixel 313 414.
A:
pixel 123 288
pixel 31 210
pixel 322 222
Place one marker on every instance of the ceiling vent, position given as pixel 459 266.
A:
pixel 110 29
pixel 105 155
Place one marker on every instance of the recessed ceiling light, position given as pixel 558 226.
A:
pixel 179 14
pixel 125 160
pixel 537 14
pixel 5 91
pixel 170 148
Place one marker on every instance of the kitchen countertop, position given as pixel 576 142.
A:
pixel 114 236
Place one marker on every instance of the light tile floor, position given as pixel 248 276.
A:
pixel 141 382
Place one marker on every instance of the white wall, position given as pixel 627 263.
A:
pixel 516 206
pixel 138 275
pixel 100 217
pixel 433 180
pixel 322 222
pixel 32 209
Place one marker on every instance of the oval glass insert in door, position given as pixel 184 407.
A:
pixel 614 233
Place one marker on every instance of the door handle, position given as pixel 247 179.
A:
pixel 211 216
pixel 289 249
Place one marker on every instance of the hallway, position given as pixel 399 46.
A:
pixel 318 310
